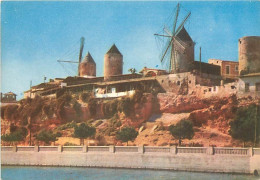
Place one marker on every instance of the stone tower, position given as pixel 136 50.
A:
pixel 87 67
pixel 184 52
pixel 249 54
pixel 113 62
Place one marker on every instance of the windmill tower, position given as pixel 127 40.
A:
pixel 179 49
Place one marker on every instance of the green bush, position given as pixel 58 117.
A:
pixel 127 134
pixel 67 126
pixel 246 123
pixel 17 135
pixel 182 130
pixel 58 134
pixel 46 136
pixel 84 131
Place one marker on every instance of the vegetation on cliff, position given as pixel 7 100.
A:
pixel 182 130
pixel 84 131
pixel 246 124
pixel 127 134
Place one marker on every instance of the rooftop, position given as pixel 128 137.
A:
pixel 113 49
pixel 184 35
pixel 88 58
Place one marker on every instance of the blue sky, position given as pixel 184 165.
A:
pixel 34 35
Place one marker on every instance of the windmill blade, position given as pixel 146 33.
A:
pixel 166 29
pixel 162 35
pixel 82 39
pixel 182 24
pixel 176 17
pixel 170 43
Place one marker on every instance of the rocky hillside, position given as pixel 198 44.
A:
pixel 151 115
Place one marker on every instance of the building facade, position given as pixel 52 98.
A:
pixel 228 69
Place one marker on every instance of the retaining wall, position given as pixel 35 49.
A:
pixel 202 159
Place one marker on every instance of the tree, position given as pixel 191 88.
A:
pixel 84 131
pixel 127 134
pixel 16 135
pixel 246 124
pixel 46 136
pixel 182 130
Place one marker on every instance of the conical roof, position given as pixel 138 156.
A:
pixel 113 49
pixel 88 58
pixel 184 35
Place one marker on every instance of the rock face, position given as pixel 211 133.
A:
pixel 172 103
pixel 153 114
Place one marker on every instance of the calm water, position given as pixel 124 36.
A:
pixel 46 173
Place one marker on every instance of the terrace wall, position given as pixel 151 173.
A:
pixel 202 159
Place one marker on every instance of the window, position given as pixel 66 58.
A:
pixel 236 68
pixel 246 87
pixel 227 69
pixel 178 83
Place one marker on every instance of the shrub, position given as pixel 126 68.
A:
pixel 58 134
pixel 84 131
pixel 244 124
pixel 127 134
pixel 17 135
pixel 182 130
pixel 46 136
pixel 67 126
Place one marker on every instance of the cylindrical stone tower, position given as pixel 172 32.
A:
pixel 184 53
pixel 87 67
pixel 113 62
pixel 249 54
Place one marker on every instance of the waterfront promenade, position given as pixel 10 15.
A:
pixel 199 159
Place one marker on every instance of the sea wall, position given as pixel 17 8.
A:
pixel 201 159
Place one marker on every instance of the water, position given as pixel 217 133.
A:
pixel 69 173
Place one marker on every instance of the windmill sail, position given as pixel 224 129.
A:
pixel 178 44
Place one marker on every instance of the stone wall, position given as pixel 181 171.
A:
pixel 201 159
pixel 249 54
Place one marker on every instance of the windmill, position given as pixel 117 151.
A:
pixel 178 41
pixel 82 40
